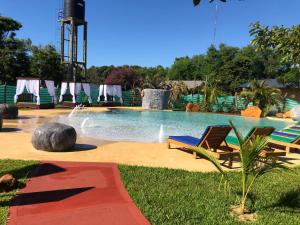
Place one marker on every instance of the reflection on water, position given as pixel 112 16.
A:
pixel 154 127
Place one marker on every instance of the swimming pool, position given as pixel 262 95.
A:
pixel 155 126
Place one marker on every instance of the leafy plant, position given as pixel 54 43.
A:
pixel 211 91
pixel 283 40
pixel 252 167
pixel 177 89
pixel 262 95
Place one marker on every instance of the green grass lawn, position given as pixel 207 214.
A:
pixel 179 197
pixel 20 170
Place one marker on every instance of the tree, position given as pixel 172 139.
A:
pixel 154 77
pixel 262 95
pixel 283 41
pixel 126 77
pixel 181 69
pixel 97 75
pixel 8 28
pixel 14 53
pixel 46 64
pixel 291 78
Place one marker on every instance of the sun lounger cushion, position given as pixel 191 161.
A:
pixel 283 134
pixel 189 140
pixel 282 139
pixel 292 131
pixel 192 140
pixel 295 127
pixel 232 140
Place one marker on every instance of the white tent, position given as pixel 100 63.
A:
pixel 111 90
pixel 75 89
pixel 32 86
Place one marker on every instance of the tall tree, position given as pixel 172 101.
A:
pixel 282 40
pixel 14 58
pixel 46 64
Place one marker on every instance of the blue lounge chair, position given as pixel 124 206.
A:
pixel 211 140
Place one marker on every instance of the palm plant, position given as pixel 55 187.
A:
pixel 262 95
pixel 154 82
pixel 252 167
pixel 177 89
pixel 211 91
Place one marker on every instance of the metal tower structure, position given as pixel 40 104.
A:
pixel 74 18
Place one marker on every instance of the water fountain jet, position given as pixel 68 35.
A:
pixel 161 135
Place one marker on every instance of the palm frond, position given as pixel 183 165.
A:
pixel 224 178
pixel 237 133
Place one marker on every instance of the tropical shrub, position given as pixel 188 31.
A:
pixel 262 95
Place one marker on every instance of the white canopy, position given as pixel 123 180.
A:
pixel 75 89
pixel 51 90
pixel 32 87
pixel 112 90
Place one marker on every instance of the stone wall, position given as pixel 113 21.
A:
pixel 156 99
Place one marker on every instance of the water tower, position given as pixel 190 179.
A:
pixel 72 22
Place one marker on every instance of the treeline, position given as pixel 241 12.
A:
pixel 225 66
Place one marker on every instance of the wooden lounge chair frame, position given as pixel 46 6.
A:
pixel 286 145
pixel 270 151
pixel 211 142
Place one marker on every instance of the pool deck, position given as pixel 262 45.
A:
pixel 15 143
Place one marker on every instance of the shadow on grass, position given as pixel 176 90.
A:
pixel 46 196
pixel 289 202
pixel 21 172
pixel 45 169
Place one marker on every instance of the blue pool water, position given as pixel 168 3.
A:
pixel 152 127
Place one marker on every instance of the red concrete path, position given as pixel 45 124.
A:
pixel 75 194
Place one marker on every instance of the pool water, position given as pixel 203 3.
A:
pixel 155 126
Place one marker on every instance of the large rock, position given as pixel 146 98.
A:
pixel 8 183
pixel 54 137
pixel 253 111
pixel 9 111
pixel 156 99
pixel 190 107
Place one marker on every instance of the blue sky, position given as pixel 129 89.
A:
pixel 151 32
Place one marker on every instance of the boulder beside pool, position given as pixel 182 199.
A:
pixel 156 99
pixel 9 111
pixel 54 137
